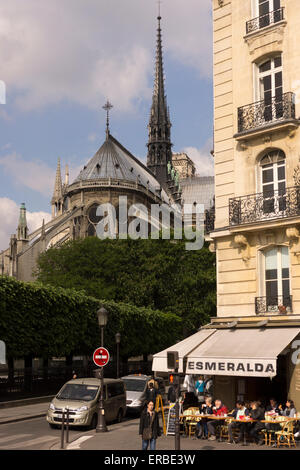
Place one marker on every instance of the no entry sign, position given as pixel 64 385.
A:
pixel 101 357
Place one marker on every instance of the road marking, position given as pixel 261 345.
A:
pixel 33 442
pixel 76 444
pixel 13 438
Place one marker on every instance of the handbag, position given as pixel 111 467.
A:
pixel 147 432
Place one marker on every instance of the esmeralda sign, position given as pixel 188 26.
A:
pixel 244 367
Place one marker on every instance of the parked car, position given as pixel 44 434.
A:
pixel 136 386
pixel 81 397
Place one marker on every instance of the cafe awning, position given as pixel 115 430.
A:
pixel 159 363
pixel 250 352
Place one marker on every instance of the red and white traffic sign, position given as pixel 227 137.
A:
pixel 101 357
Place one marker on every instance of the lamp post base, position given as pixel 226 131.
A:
pixel 101 426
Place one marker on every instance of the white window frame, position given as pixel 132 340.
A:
pixel 259 76
pixel 262 268
pixel 255 7
pixel 259 171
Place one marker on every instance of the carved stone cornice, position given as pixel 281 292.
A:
pixel 266 41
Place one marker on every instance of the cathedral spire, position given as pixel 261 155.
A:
pixel 22 226
pixel 57 199
pixel 159 142
pixel 57 193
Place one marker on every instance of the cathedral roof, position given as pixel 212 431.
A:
pixel 112 160
pixel 199 189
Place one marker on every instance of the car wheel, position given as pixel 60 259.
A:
pixel 120 416
pixel 94 422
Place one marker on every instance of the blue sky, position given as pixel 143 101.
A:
pixel 61 61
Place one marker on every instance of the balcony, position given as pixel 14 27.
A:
pixel 260 22
pixel 267 113
pixel 274 304
pixel 264 206
pixel 209 220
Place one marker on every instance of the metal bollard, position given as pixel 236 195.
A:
pixel 67 426
pixel 62 430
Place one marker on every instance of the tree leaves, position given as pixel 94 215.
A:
pixel 46 321
pixel 158 274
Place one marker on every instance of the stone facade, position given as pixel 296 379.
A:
pixel 256 154
pixel 184 165
pixel 73 208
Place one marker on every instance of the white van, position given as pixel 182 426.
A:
pixel 81 397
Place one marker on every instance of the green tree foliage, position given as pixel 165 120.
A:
pixel 159 274
pixel 45 321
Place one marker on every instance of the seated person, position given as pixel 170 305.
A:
pixel 238 413
pixel 273 407
pixel 257 413
pixel 289 410
pixel 189 399
pixel 207 409
pixel 218 410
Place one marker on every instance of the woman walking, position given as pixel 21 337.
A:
pixel 149 427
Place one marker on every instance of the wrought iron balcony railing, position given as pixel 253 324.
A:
pixel 274 304
pixel 265 112
pixel 265 20
pixel 264 206
pixel 209 221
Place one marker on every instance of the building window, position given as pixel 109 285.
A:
pixel 277 278
pixel 265 13
pixel 268 12
pixel 270 88
pixel 273 182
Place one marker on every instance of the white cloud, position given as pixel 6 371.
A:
pixel 9 211
pixel 85 51
pixel 35 175
pixel 202 158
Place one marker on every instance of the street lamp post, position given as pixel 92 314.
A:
pixel 118 340
pixel 102 315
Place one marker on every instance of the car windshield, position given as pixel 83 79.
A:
pixel 78 392
pixel 135 385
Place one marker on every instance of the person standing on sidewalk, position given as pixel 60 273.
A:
pixel 149 427
pixel 151 393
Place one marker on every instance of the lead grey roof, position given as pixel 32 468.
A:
pixel 112 160
pixel 199 189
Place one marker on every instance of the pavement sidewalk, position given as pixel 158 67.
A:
pixel 21 413
pixel 124 436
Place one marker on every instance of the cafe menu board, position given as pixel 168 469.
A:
pixel 171 420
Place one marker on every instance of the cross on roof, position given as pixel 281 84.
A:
pixel 108 106
pixel 159 4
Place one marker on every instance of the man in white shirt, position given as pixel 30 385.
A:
pixel 238 413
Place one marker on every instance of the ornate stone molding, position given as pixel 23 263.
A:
pixel 268 238
pixel 244 247
pixel 293 236
pixel 212 247
pixel 296 175
pixel 265 42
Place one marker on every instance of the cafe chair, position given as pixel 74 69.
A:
pixel 269 434
pixel 192 419
pixel 183 421
pixel 285 437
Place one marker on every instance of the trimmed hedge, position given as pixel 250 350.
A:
pixel 46 321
